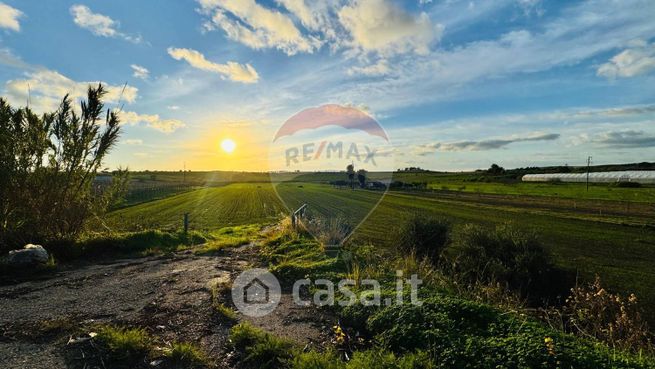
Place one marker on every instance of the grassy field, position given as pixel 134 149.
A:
pixel 565 190
pixel 622 255
pixel 209 208
pixel 464 182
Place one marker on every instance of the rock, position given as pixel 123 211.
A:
pixel 29 255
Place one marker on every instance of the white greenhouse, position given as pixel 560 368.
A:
pixel 638 176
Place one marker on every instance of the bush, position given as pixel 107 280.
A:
pixel 48 165
pixel 462 334
pixel 504 254
pixel 591 311
pixel 423 235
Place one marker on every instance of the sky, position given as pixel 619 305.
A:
pixel 456 85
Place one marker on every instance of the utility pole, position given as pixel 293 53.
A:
pixel 184 174
pixel 588 165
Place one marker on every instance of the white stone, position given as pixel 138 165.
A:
pixel 29 255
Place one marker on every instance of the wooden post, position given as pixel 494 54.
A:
pixel 186 223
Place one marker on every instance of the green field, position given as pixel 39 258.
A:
pixel 469 182
pixel 209 208
pixel 622 255
pixel 565 190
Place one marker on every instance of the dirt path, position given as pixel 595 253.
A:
pixel 169 296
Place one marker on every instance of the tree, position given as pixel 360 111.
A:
pixel 361 177
pixel 350 169
pixel 495 169
pixel 47 168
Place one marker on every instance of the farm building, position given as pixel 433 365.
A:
pixel 637 176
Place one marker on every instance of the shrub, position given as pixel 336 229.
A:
pixel 447 332
pixel 423 235
pixel 504 254
pixel 408 327
pixel 47 168
pixel 592 311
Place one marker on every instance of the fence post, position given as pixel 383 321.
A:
pixel 186 223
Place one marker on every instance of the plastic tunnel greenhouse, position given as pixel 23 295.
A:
pixel 638 176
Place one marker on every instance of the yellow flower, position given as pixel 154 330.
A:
pixel 550 345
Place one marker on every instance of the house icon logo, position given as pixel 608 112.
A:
pixel 256 292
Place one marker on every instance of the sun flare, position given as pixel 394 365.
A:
pixel 228 145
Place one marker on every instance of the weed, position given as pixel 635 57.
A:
pixel 379 359
pixel 329 231
pixel 592 311
pixel 151 242
pixel 229 237
pixel 186 355
pixel 217 291
pixel 261 349
pixel 317 360
pixel 124 343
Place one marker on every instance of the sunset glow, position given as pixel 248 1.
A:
pixel 228 145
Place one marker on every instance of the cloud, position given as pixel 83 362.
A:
pixel 257 27
pixel 625 139
pixel 380 26
pixel 639 59
pixel 531 6
pixel 46 88
pixel 140 72
pixel 8 58
pixel 133 141
pixel 313 16
pixel 173 107
pixel 484 145
pixel 232 70
pixel 151 120
pixel 378 69
pixel 99 24
pixel 9 17
pixel 579 32
pixel 614 112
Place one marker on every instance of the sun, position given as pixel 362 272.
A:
pixel 228 145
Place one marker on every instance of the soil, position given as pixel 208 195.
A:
pixel 169 296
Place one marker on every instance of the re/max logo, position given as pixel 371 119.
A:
pixel 310 151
